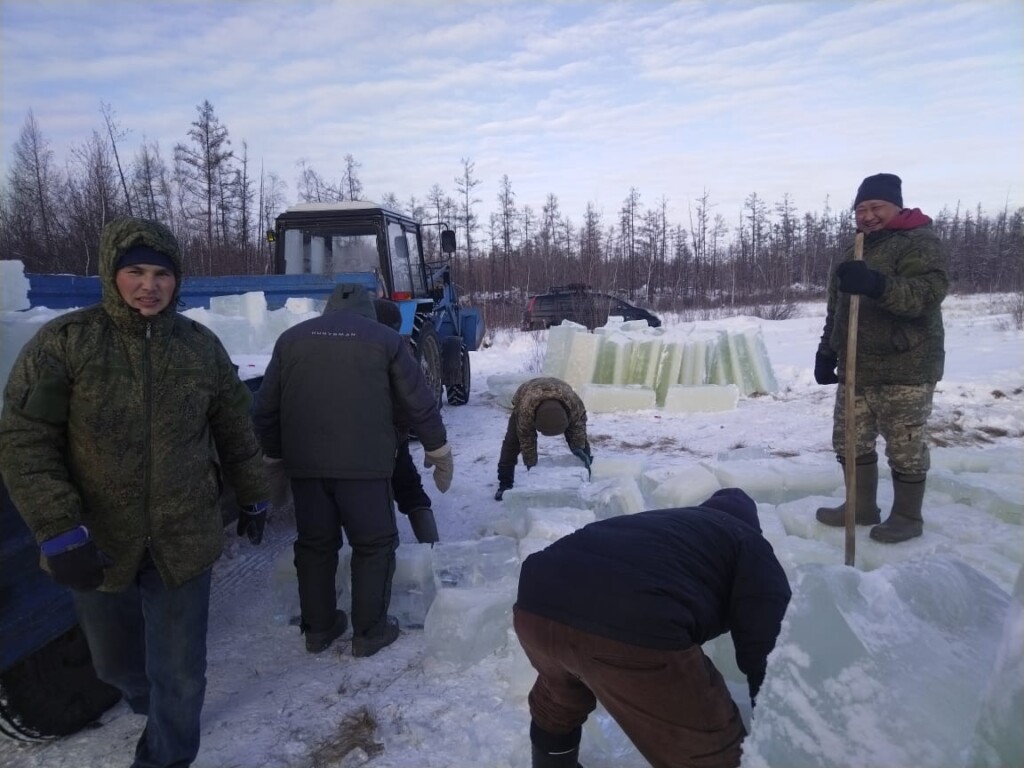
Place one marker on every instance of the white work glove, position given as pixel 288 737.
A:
pixel 280 484
pixel 444 467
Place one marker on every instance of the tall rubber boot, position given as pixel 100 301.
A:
pixel 551 750
pixel 868 512
pixel 373 568
pixel 904 521
pixel 424 527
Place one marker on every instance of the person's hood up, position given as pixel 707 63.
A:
pixel 351 297
pixel 120 236
pixel 736 503
pixel 909 218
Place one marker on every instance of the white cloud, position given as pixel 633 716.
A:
pixel 577 99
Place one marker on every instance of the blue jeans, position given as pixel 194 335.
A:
pixel 150 643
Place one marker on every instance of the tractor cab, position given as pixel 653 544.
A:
pixel 383 249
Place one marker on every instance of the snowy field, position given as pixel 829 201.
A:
pixel 893 663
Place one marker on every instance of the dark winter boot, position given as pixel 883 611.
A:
pixel 321 641
pixel 551 750
pixel 423 525
pixel 905 521
pixel 868 512
pixel 382 637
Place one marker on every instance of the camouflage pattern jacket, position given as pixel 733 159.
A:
pixel 521 435
pixel 900 338
pixel 123 423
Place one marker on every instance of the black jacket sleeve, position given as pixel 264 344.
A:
pixel 414 399
pixel 760 595
pixel 509 454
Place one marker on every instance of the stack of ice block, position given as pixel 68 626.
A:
pixel 243 323
pixel 629 366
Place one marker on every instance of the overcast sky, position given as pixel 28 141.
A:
pixel 583 100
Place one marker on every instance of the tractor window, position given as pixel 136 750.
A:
pixel 416 262
pixel 406 261
pixel 354 253
pixel 323 253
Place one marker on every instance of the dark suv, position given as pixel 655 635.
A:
pixel 580 305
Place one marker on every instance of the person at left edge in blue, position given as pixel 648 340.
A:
pixel 119 420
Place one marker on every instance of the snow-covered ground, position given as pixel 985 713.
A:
pixel 269 703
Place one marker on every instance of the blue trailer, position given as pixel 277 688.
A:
pixel 47 685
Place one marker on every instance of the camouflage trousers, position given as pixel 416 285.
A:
pixel 897 412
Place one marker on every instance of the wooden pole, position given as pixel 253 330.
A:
pixel 849 411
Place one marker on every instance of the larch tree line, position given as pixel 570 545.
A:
pixel 220 206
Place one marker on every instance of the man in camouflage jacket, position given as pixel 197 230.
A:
pixel 551 407
pixel 118 421
pixel 900 355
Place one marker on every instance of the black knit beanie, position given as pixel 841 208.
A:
pixel 881 186
pixel 143 254
pixel 551 418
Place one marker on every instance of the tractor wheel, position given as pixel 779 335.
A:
pixel 54 692
pixel 428 352
pixel 458 394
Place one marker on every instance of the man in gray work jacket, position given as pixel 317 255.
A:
pixel 327 408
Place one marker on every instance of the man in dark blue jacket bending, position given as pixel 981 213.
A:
pixel 617 612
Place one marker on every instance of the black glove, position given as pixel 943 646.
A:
pixel 501 492
pixel 857 277
pixel 825 368
pixel 583 455
pixel 252 519
pixel 74 559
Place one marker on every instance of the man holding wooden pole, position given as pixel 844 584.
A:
pixel 900 355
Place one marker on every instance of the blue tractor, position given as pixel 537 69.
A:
pixel 384 250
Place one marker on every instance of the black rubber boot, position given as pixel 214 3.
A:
pixel 551 750
pixel 369 644
pixel 868 512
pixel 321 641
pixel 904 521
pixel 423 525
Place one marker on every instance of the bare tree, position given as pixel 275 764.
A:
pixel 719 230
pixel 272 200
pixel 91 199
pixel 590 245
pixel 507 216
pixel 35 189
pixel 628 216
pixel 699 236
pixel 244 194
pixel 784 234
pixel 465 184
pixel 753 269
pixel 201 167
pixel 313 188
pixel 528 217
pixel 115 132
pixel 350 180
pixel 550 255
pixel 150 184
